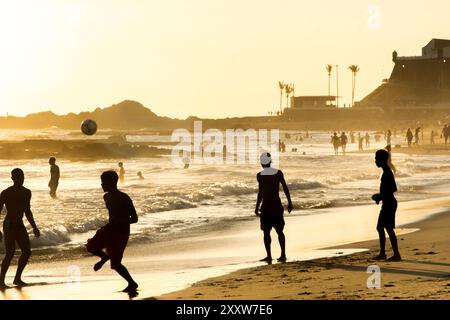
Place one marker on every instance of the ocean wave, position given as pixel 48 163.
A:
pixel 314 204
pixel 159 204
pixel 51 237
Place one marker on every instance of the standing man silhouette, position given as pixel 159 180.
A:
pixel 17 201
pixel 114 235
pixel 271 211
pixel 386 219
pixel 121 172
pixel 54 177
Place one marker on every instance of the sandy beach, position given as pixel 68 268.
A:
pixel 222 263
pixel 423 274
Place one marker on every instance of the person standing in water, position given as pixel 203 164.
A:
pixel 335 141
pixel 121 172
pixel 344 141
pixel 271 210
pixel 114 235
pixel 390 164
pixel 17 201
pixel 409 137
pixel 54 177
pixel 386 219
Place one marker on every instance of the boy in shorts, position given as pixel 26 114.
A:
pixel 114 235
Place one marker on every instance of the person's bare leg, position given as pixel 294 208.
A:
pixel 267 243
pixel 10 247
pixel 394 243
pixel 24 244
pixel 382 236
pixel 123 272
pixel 282 241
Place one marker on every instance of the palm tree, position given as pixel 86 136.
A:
pixel 354 69
pixel 329 68
pixel 281 85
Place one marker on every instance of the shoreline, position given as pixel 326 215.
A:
pixel 423 272
pixel 163 269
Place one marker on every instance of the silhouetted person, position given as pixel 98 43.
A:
pixel 367 139
pixel 386 219
pixel 416 136
pixel 121 172
pixel 114 235
pixel 271 211
pixel 432 135
pixel 17 201
pixel 445 132
pixel 54 177
pixel 352 137
pixel 388 149
pixel 344 141
pixel 409 137
pixel 186 161
pixel 388 137
pixel 335 141
pixel 141 177
pixel 360 142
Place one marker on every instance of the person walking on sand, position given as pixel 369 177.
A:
pixel 386 219
pixel 54 177
pixel 271 211
pixel 114 235
pixel 344 141
pixel 121 172
pixel 17 201
pixel 335 141
pixel 409 137
pixel 367 140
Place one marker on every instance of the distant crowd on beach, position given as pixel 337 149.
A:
pixel 413 139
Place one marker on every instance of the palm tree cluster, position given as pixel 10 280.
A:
pixel 288 90
pixel 354 69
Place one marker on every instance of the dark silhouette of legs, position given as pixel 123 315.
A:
pixel 24 244
pixel 282 241
pixel 123 272
pixel 394 244
pixel 382 236
pixel 99 253
pixel 267 242
pixel 10 247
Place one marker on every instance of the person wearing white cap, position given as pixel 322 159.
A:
pixel 271 211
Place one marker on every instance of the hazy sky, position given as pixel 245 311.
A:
pixel 211 58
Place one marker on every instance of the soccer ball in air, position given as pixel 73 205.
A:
pixel 89 127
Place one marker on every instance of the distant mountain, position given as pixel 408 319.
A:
pixel 127 114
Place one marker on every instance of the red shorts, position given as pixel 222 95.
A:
pixel 113 240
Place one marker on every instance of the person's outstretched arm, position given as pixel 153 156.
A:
pixel 29 216
pixel 259 198
pixel 286 192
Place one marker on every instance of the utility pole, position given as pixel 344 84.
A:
pixel 337 86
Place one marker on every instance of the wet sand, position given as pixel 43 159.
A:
pixel 165 267
pixel 424 273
